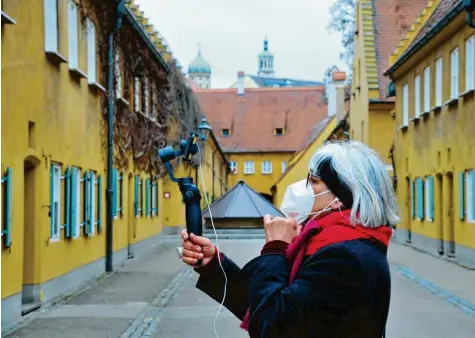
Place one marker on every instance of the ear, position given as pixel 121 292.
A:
pixel 337 205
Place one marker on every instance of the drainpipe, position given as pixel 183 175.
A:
pixel 469 6
pixel 214 174
pixel 391 154
pixel 120 10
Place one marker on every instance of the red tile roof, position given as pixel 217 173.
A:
pixel 392 19
pixel 444 7
pixel 253 117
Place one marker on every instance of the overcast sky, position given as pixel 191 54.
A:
pixel 231 34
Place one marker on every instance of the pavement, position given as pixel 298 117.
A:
pixel 154 296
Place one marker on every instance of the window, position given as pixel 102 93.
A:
pixel 405 105
pixel 225 132
pixel 233 167
pixel 420 198
pixel 266 167
pixel 249 167
pixel 92 208
pixel 454 74
pixel 117 193
pixel 470 63
pixel 118 76
pixel 417 96
pixel 429 198
pixel 75 202
pixel 51 26
pixel 470 195
pixel 438 82
pixel 413 200
pixel 427 89
pixel 91 51
pixel 154 101
pixel 279 131
pixel 284 166
pixel 145 96
pixel 6 210
pixel 138 199
pixel 154 191
pixel 136 94
pixel 73 35
pixel 55 200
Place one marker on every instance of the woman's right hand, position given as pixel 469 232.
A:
pixel 195 248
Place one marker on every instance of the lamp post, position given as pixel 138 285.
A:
pixel 120 11
pixel 204 129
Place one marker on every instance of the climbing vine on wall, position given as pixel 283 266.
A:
pixel 137 137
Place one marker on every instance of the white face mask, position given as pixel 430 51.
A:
pixel 298 202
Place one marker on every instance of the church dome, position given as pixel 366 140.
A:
pixel 199 65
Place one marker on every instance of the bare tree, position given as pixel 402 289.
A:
pixel 342 20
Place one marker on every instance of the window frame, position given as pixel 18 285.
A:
pixel 266 167
pixel 427 88
pixel 249 168
pixel 439 75
pixel 470 80
pixel 417 96
pixel 405 105
pixel 454 73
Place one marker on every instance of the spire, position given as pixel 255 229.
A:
pixel 266 43
pixel 265 60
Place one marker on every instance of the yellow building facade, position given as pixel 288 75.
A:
pixel 433 69
pixel 54 155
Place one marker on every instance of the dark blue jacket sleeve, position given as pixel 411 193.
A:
pixel 211 282
pixel 325 288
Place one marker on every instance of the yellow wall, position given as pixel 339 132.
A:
pixel 299 169
pixel 258 181
pixel 173 206
pixel 441 144
pixel 370 123
pixel 50 115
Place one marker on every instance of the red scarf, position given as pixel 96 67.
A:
pixel 331 229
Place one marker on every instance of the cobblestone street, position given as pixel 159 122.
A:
pixel 154 296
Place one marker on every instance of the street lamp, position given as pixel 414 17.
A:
pixel 204 129
pixel 469 6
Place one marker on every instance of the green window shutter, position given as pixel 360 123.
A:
pixel 136 196
pixel 74 201
pixel 413 200
pixel 420 199
pixel 121 194
pixel 462 195
pixel 147 197
pixel 431 197
pixel 157 198
pixel 114 192
pixel 7 229
pixel 99 203
pixel 67 203
pixel 87 204
pixel 92 210
pixel 51 199
pixel 472 174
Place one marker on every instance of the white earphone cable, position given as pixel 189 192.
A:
pixel 217 244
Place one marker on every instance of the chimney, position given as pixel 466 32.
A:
pixel 240 83
pixel 336 95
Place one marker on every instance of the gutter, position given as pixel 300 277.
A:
pixel 144 35
pixel 436 29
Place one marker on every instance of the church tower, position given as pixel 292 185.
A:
pixel 265 61
pixel 199 71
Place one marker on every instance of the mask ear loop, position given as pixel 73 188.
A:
pixel 324 209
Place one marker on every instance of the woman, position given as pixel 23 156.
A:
pixel 328 279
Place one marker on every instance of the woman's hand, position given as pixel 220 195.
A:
pixel 280 229
pixel 195 248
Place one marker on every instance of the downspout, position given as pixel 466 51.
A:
pixel 214 174
pixel 391 154
pixel 120 10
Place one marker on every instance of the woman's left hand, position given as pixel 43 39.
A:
pixel 280 229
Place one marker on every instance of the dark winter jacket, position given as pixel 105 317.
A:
pixel 341 291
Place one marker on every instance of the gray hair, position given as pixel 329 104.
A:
pixel 364 174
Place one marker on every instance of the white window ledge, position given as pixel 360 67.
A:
pixel 436 108
pixel 425 114
pixel 77 72
pixel 56 57
pixel 96 86
pixel 149 118
pixel 452 102
pixel 467 93
pixel 403 128
pixel 6 19
pixel 123 101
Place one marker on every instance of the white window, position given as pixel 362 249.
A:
pixel 91 51
pixel 470 192
pixel 454 74
pixel 233 167
pixel 76 210
pixel 92 208
pixel 154 197
pixel 427 199
pixel 136 94
pixel 118 76
pixel 146 106
pixel 51 26
pixel 427 89
pixel 55 207
pixel 73 35
pixel 284 166
pixel 438 82
pixel 266 167
pixel 154 101
pixel 417 96
pixel 405 105
pixel 249 167
pixel 470 63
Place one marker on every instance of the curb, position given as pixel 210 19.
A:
pixel 147 321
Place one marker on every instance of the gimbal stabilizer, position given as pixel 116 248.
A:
pixel 191 193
